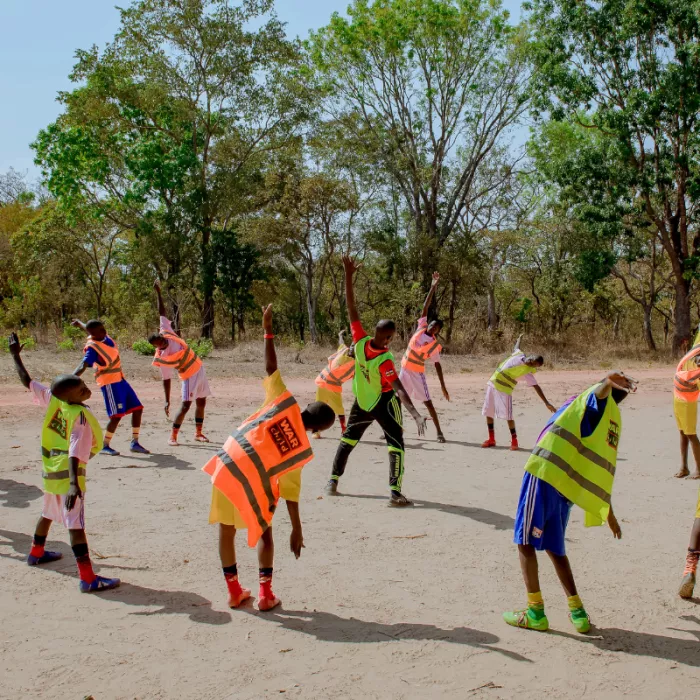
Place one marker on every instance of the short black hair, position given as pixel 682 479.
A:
pixel 318 416
pixel 154 336
pixel 64 383
pixel 619 395
pixel 93 323
pixel 386 325
pixel 439 322
pixel 538 359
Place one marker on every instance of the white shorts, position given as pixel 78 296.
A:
pixel 54 509
pixel 497 404
pixel 196 387
pixel 415 385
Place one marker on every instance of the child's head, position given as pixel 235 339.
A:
pixel 96 329
pixel 434 327
pixel 383 333
pixel 71 389
pixel 158 341
pixel 318 416
pixel 534 360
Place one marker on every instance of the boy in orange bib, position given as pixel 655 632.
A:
pixel 260 462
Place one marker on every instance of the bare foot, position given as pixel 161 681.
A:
pixel 682 473
pixel 696 475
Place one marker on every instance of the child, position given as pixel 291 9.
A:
pixel 691 561
pixel 498 402
pixel 172 352
pixel 102 353
pixel 261 461
pixel 573 463
pixel 686 391
pixel 70 437
pixel 340 369
pixel 423 347
pixel 375 387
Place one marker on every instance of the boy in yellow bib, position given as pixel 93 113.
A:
pixel 573 462
pixel 70 437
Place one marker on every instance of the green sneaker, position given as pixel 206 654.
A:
pixel 527 620
pixel 580 620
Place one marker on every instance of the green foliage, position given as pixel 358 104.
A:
pixel 202 347
pixel 143 347
pixel 27 341
pixel 66 344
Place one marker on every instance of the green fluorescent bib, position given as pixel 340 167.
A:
pixel 367 383
pixel 505 380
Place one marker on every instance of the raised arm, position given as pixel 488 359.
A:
pixel 615 380
pixel 350 269
pixel 270 352
pixel 161 306
pixel 15 349
pixel 77 323
pixel 516 348
pixel 431 294
pixel 341 337
pixel 80 369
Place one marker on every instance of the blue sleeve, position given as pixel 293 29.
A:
pixel 595 408
pixel 90 358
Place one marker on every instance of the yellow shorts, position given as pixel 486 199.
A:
pixel 224 512
pixel 686 413
pixel 332 398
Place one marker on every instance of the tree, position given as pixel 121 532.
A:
pixel 426 88
pixel 632 73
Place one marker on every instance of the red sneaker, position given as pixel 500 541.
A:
pixel 489 443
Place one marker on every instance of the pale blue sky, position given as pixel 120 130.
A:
pixel 38 39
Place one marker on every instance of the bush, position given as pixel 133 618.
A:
pixel 143 347
pixel 72 333
pixel 202 347
pixel 28 342
pixel 65 344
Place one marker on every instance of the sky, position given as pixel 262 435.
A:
pixel 38 40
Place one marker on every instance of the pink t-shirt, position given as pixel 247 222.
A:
pixel 81 435
pixel 516 362
pixel 425 339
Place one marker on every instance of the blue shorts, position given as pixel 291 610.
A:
pixel 543 514
pixel 120 399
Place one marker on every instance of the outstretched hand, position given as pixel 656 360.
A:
pixel 351 267
pixel 421 424
pixel 267 318
pixel 436 279
pixel 619 380
pixel 14 346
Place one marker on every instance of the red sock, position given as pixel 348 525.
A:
pixel 492 434
pixel 234 587
pixel 342 422
pixel 37 549
pixel 82 558
pixel 174 434
pixel 266 583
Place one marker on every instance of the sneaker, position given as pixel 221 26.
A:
pixel 268 603
pixel 514 447
pixel 173 442
pixel 99 584
pixel 45 558
pixel 107 450
pixel 398 500
pixel 138 448
pixel 235 601
pixel 332 487
pixel 580 620
pixel 441 438
pixel 526 620
pixel 200 437
pixel 687 586
pixel 489 443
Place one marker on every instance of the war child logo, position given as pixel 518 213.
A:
pixel 613 434
pixel 59 424
pixel 284 436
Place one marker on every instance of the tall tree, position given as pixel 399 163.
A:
pixel 632 72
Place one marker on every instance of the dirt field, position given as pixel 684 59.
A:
pixel 383 603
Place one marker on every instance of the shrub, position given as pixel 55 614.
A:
pixel 72 333
pixel 202 347
pixel 65 344
pixel 143 347
pixel 28 342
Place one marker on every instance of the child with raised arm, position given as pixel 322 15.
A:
pixel 573 463
pixel 498 402
pixel 102 353
pixel 340 369
pixel 686 392
pixel 70 436
pixel 260 462
pixel 376 387
pixel 172 352
pixel 423 347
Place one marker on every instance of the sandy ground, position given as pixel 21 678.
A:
pixel 383 603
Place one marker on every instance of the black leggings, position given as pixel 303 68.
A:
pixel 388 414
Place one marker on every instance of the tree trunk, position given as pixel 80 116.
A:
pixel 208 283
pixel 311 309
pixel 491 309
pixel 681 315
pixel 233 327
pixel 177 316
pixel 240 315
pixel 453 308
pixel 648 334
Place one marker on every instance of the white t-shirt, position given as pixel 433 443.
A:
pixel 516 361
pixel 173 347
pixel 81 435
pixel 426 339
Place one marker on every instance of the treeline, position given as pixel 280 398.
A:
pixel 548 169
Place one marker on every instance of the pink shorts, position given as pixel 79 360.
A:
pixel 196 387
pixel 54 509
pixel 415 385
pixel 497 404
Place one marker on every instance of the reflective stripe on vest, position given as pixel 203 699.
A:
pixel 111 371
pixel 581 469
pixel 185 360
pixel 55 443
pixel 505 380
pixel 416 355
pixel 367 383
pixel 340 369
pixel 247 469
pixel 685 381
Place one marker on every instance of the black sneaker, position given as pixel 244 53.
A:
pixel 332 487
pixel 398 500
